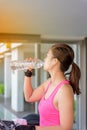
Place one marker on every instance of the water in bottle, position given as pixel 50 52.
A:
pixel 24 65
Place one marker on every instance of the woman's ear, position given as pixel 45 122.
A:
pixel 55 60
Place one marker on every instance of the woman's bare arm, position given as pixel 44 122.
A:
pixel 32 95
pixel 66 107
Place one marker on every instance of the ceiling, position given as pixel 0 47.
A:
pixel 49 18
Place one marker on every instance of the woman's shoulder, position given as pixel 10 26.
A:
pixel 65 91
pixel 66 88
pixel 64 96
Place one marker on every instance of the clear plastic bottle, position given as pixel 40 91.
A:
pixel 23 65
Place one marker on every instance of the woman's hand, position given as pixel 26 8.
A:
pixel 30 68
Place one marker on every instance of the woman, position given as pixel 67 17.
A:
pixel 56 94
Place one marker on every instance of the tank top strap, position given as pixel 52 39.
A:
pixel 59 86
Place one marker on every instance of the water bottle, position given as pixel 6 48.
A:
pixel 24 65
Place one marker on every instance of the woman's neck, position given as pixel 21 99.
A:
pixel 57 76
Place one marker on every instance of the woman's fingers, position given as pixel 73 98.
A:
pixel 29 67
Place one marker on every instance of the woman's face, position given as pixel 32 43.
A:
pixel 48 61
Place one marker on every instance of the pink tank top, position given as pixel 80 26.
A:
pixel 49 115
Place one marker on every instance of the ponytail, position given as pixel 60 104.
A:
pixel 74 77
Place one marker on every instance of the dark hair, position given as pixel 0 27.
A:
pixel 65 55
